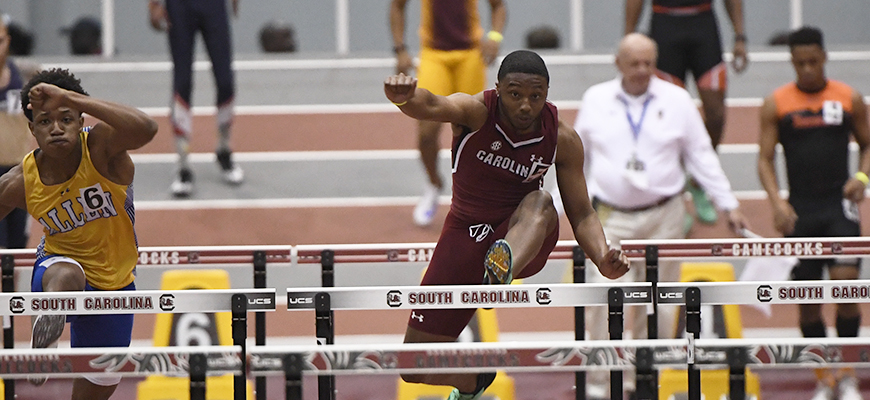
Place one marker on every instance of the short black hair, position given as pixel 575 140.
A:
pixel 59 77
pixel 523 61
pixel 807 35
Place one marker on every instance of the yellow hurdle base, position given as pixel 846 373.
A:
pixel 502 388
pixel 674 385
pixel 171 388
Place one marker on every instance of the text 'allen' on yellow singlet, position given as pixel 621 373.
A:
pixel 87 218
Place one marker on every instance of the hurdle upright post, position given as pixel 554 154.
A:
pixel 693 328
pixel 326 319
pixel 7 270
pixel 239 308
pixel 197 370
pixel 260 317
pixel 324 329
pixel 651 257
pixel 578 258
pixel 737 359
pixel 615 301
pixel 646 378
pixel 293 365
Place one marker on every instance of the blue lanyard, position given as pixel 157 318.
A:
pixel 635 127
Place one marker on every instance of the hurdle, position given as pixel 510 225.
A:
pixel 690 295
pixel 325 300
pixel 189 256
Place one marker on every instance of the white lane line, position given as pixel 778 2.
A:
pixel 367 108
pixel 356 155
pixel 325 202
pixel 283 156
pixel 389 62
pixel 235 204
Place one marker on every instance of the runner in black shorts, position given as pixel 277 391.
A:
pixel 814 118
pixel 688 40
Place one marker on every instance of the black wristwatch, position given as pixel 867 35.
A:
pixel 398 49
pixel 740 38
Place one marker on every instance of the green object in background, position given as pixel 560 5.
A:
pixel 703 207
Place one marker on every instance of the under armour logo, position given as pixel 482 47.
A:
pixel 417 317
pixel 495 145
pixel 479 231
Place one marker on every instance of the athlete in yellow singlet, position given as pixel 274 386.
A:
pixel 454 53
pixel 78 185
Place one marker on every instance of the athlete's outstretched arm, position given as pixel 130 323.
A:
pixel 584 222
pixel 404 62
pixel 488 47
pixel 128 128
pixel 784 216
pixel 418 103
pixel 633 9
pixel 735 14
pixel 854 188
pixel 12 191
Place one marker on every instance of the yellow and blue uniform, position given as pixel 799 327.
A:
pixel 450 58
pixel 88 219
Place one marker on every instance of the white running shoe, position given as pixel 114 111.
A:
pixel 848 389
pixel 823 392
pixel 427 206
pixel 232 173
pixel 45 334
pixel 183 184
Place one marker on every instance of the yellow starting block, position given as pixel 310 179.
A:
pixel 714 383
pixel 191 329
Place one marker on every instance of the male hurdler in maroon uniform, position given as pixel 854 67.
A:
pixel 501 224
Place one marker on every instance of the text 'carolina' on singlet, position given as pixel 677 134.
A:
pixel 814 129
pixel 450 24
pixel 87 218
pixel 494 168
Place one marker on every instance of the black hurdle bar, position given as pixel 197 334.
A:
pixel 325 320
pixel 239 309
pixel 293 365
pixel 693 328
pixel 578 257
pixel 197 370
pixel 651 255
pixel 260 317
pixel 7 271
pixel 615 300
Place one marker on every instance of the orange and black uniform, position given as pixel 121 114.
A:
pixel 687 36
pixel 815 130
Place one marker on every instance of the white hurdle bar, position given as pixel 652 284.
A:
pixel 819 247
pixel 459 357
pixel 133 301
pixel 772 292
pixel 122 361
pixel 415 358
pixel 468 296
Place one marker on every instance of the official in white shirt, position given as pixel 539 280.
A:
pixel 641 136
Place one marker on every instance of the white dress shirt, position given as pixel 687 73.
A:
pixel 629 170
